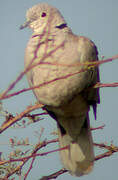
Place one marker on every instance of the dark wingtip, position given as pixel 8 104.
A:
pixel 95 110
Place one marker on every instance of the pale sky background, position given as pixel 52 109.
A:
pixel 96 19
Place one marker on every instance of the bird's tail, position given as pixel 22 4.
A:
pixel 78 158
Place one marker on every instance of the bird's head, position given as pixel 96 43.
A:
pixel 44 17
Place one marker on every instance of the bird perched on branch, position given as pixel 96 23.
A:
pixel 57 63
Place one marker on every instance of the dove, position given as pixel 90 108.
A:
pixel 56 64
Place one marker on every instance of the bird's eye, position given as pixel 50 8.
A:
pixel 43 14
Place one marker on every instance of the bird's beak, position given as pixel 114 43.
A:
pixel 26 24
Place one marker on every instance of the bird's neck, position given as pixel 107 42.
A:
pixel 59 33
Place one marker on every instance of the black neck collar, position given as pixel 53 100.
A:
pixel 62 26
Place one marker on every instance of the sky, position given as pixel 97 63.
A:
pixel 95 19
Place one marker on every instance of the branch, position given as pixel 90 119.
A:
pixel 54 175
pixel 101 85
pixel 111 150
pixel 30 168
pixel 86 65
pixel 100 127
pixel 17 118
pixel 30 66
pixel 23 160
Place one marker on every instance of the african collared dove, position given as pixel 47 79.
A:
pixel 59 59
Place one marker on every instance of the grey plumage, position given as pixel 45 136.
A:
pixel 66 94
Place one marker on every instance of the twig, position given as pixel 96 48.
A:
pixel 54 175
pixel 11 86
pixel 100 127
pixel 111 149
pixel 25 159
pixel 87 66
pixel 101 85
pixel 31 166
pixel 19 117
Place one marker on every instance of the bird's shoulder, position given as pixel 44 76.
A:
pixel 86 48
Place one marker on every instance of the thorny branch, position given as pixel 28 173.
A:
pixel 18 117
pixel 23 160
pixel 110 150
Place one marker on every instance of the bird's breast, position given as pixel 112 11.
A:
pixel 56 72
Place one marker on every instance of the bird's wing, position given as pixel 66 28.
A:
pixel 90 54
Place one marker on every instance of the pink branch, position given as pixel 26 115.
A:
pixel 87 65
pixel 101 85
pixel 31 166
pixel 100 127
pixel 17 118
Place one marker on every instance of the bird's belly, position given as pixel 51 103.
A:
pixel 57 85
